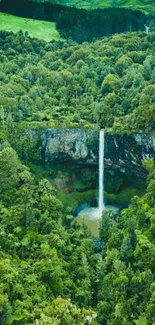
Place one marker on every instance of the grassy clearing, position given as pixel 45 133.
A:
pixel 36 28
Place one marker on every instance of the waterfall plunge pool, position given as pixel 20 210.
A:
pixel 93 216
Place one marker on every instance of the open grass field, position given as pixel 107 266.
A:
pixel 145 5
pixel 36 28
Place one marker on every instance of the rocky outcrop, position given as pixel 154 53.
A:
pixel 70 144
pixel 81 145
pixel 127 152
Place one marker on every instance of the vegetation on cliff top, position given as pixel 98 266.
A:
pixel 108 83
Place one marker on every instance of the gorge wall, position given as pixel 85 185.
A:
pixel 124 153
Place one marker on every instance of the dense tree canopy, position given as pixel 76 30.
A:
pixel 108 83
pixel 50 272
pixel 79 24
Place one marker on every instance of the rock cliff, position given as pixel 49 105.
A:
pixel 121 152
pixel 70 144
pixel 127 152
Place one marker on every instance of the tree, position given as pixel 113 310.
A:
pixel 10 168
pixel 63 312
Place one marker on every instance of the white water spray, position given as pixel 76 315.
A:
pixel 101 171
pixel 96 213
pixel 92 215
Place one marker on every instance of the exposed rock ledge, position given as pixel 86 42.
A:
pixel 75 144
pixel 81 145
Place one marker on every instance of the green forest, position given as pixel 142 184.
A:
pixel 49 271
pixel 108 83
pixel 80 24
pixel 52 269
pixel 147 6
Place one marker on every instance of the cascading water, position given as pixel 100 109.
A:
pixel 92 216
pixel 101 171
pixel 96 213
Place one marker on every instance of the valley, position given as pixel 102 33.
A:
pixel 77 135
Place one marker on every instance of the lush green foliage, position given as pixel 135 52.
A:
pixel 79 24
pixel 48 271
pixel 108 83
pixel 147 6
pixel 40 252
pixel 127 270
pixel 82 25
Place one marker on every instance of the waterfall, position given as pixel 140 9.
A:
pixel 101 170
pixel 147 28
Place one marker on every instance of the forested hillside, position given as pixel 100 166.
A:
pixel 52 270
pixel 108 83
pixel 48 270
pixel 80 24
pixel 147 6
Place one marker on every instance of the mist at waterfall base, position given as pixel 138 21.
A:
pixel 92 215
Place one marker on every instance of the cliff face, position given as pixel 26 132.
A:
pixel 70 144
pixel 82 146
pixel 127 152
